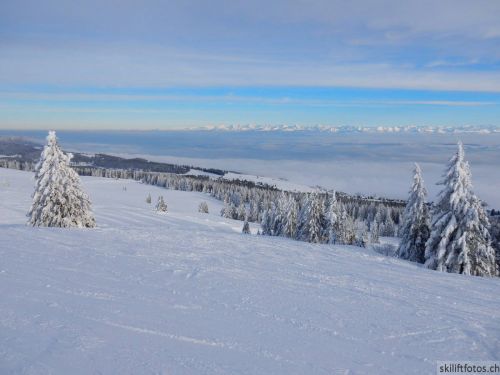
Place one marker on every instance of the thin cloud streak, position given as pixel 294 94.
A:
pixel 106 98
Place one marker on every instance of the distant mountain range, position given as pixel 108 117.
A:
pixel 488 129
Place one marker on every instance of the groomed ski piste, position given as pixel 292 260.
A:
pixel 187 293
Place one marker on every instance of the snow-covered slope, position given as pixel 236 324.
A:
pixel 186 293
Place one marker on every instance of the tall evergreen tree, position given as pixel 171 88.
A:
pixel 266 223
pixel 315 219
pixel 241 212
pixel 58 200
pixel 271 217
pixel 229 211
pixel 334 224
pixel 415 230
pixel 291 222
pixel 281 215
pixel 459 241
pixel 495 234
pixel 302 233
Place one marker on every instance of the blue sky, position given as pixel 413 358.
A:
pixel 168 64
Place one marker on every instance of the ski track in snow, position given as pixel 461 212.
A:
pixel 186 293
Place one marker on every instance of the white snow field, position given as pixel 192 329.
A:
pixel 186 293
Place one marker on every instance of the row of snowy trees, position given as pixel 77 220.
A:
pixel 452 236
pixel 314 217
pixel 17 164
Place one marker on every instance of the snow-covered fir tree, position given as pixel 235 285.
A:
pixel 346 232
pixel 229 210
pixel 161 206
pixel 148 199
pixel 272 218
pixel 376 226
pixel 266 223
pixel 362 237
pixel 58 200
pixel 415 228
pixel 241 212
pixel 302 233
pixel 336 231
pixel 315 219
pixel 373 235
pixel 332 220
pixel 246 227
pixel 203 207
pixel 495 234
pixel 280 216
pixel 254 210
pixel 459 241
pixel 387 227
pixel 291 221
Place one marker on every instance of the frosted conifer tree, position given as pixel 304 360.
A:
pixel 459 241
pixel 229 210
pixel 373 235
pixel 161 206
pixel 303 219
pixel 349 233
pixel 375 227
pixel 271 219
pixel 387 228
pixel 246 227
pixel 415 229
pixel 280 216
pixel 254 211
pixel 266 224
pixel 226 209
pixel 291 221
pixel 241 213
pixel 58 200
pixel 335 228
pixel 315 219
pixel 148 199
pixel 332 218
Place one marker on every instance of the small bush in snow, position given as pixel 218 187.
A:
pixel 246 228
pixel 203 208
pixel 161 206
